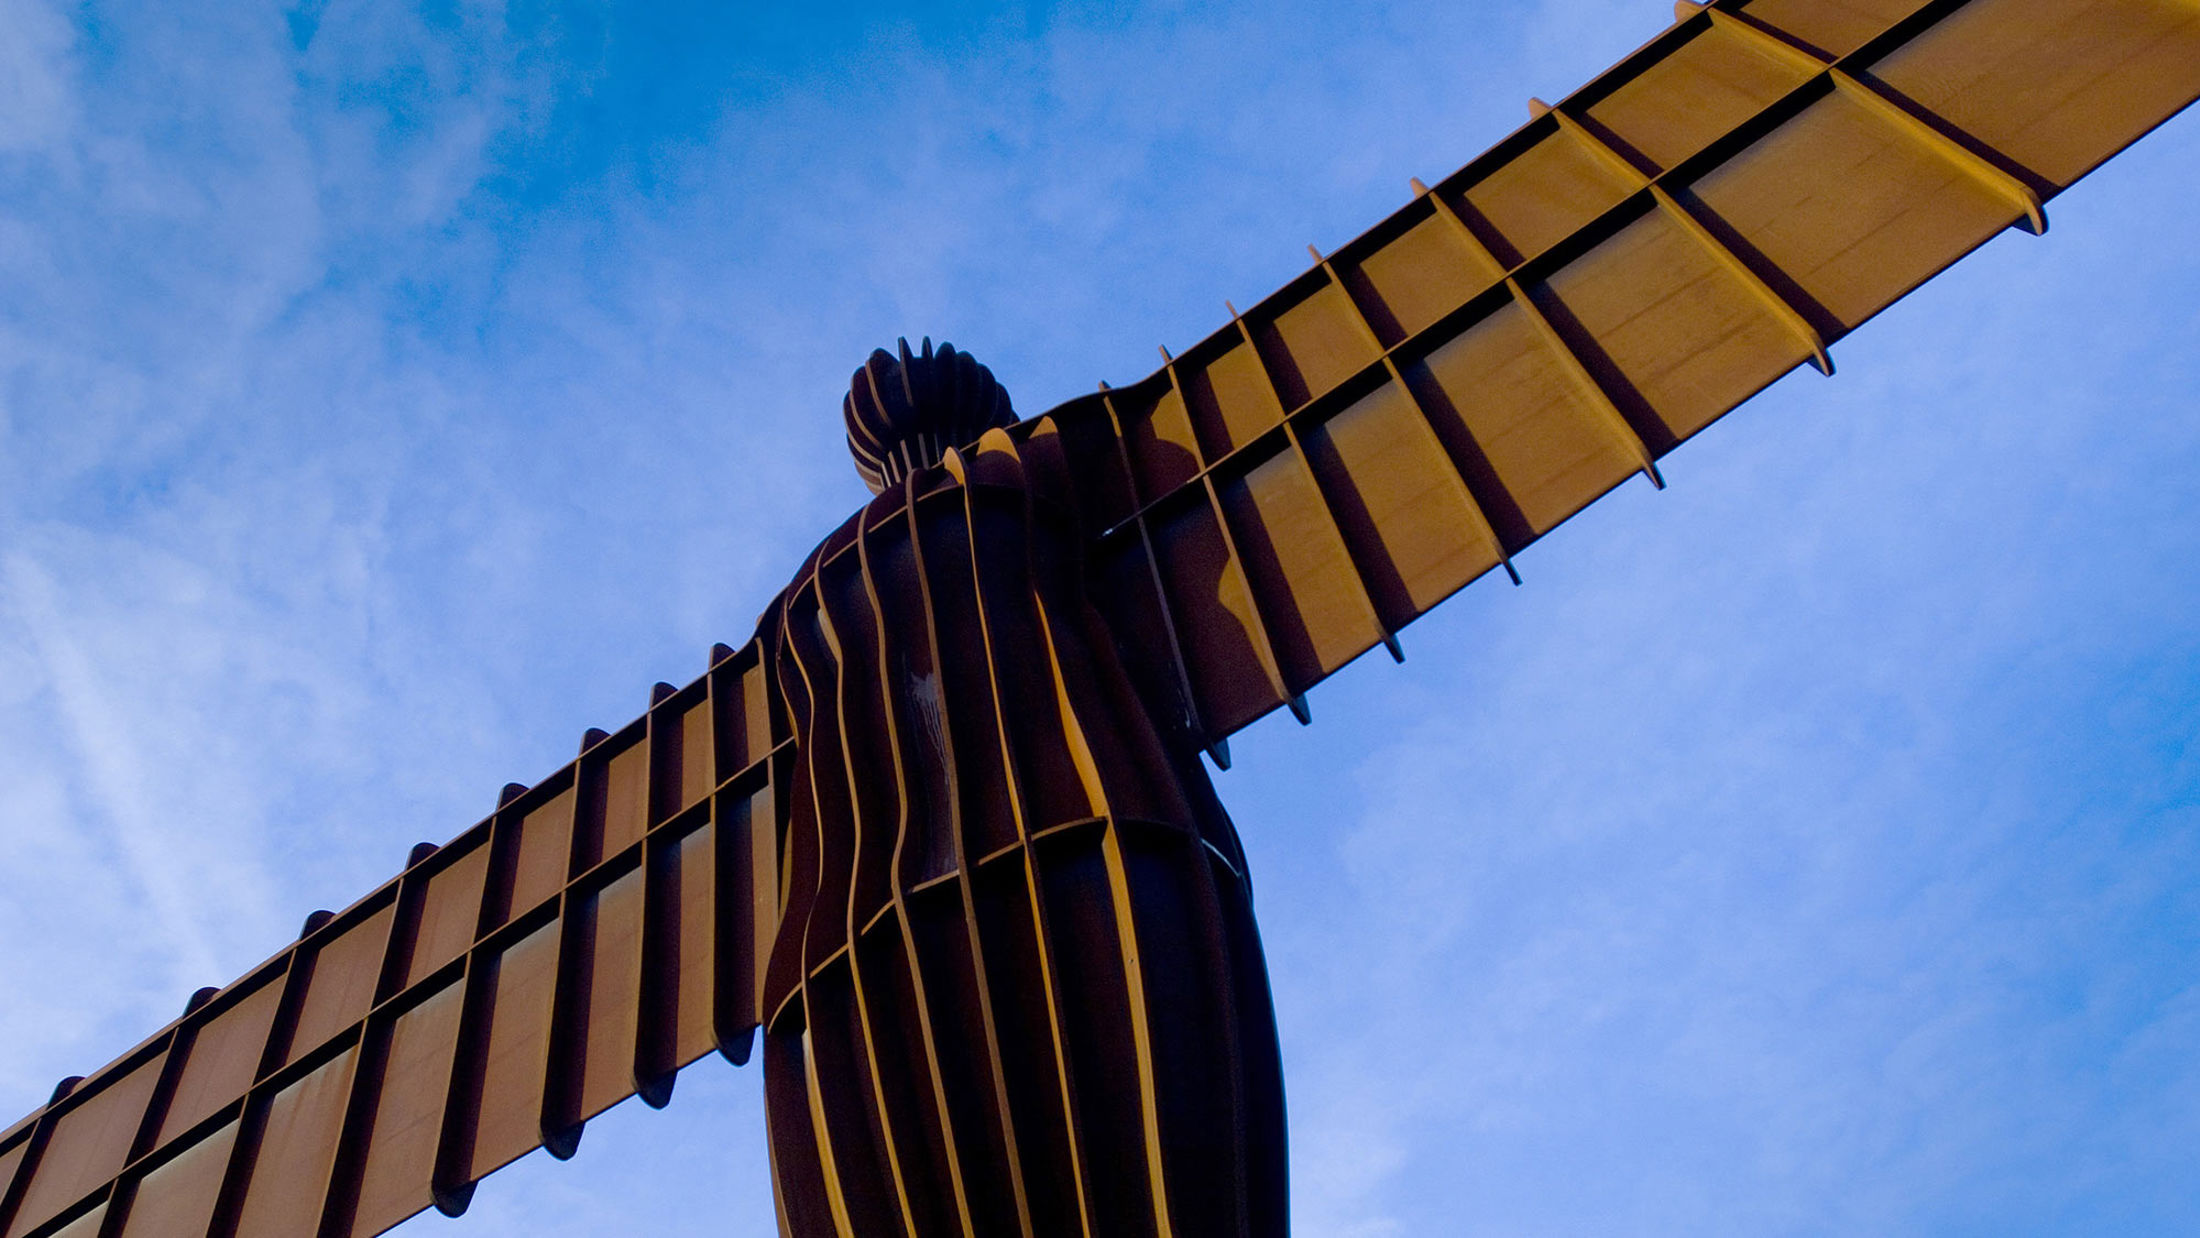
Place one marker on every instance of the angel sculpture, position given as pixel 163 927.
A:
pixel 941 829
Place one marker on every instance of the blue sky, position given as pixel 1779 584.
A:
pixel 390 392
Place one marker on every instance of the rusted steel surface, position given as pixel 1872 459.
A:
pixel 961 865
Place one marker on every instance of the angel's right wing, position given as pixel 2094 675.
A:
pixel 600 930
pixel 1560 313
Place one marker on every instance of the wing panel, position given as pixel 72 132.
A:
pixel 1836 27
pixel 1531 439
pixel 177 1198
pixel 297 1152
pixel 2054 85
pixel 1231 400
pixel 1550 190
pixel 1232 680
pixel 1401 507
pixel 1422 275
pixel 450 914
pixel 88 1145
pixel 1314 605
pixel 1677 331
pixel 545 851
pixel 399 1164
pixel 524 984
pixel 1682 103
pixel 1316 344
pixel 341 981
pixel 223 1057
pixel 614 995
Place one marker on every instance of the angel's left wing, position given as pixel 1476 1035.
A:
pixel 1553 318
pixel 600 930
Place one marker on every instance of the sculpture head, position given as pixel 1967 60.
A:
pixel 904 413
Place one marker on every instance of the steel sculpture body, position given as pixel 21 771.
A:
pixel 941 828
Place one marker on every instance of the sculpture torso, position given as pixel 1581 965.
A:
pixel 1005 894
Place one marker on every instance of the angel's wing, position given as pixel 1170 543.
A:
pixel 1556 316
pixel 597 932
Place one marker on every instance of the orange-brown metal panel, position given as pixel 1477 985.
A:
pixel 2055 85
pixel 341 987
pixel 515 1068
pixel 1315 344
pixel 408 1117
pixel 1230 400
pixel 177 1199
pixel 1836 27
pixel 697 743
pixel 626 799
pixel 1675 327
pixel 290 1175
pixel 90 1142
pixel 1685 101
pixel 1424 273
pixel 695 862
pixel 1220 629
pixel 1855 210
pixel 1295 555
pixel 450 913
pixel 1522 425
pixel 223 1058
pixel 1405 512
pixel 614 988
pixel 1543 195
pixel 11 1160
pixel 545 852
pixel 1164 454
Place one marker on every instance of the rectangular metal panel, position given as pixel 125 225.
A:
pixel 1426 272
pixel 1672 327
pixel 614 988
pixel 1230 676
pixel 545 852
pixel 223 1057
pixel 1314 343
pixel 177 1199
pixel 1319 619
pixel 1705 88
pixel 2055 85
pixel 1552 189
pixel 509 1124
pixel 698 773
pixel 450 913
pixel 1526 430
pixel 341 987
pixel 290 1174
pixel 90 1143
pixel 1231 400
pixel 1157 433
pixel 1402 507
pixel 408 1116
pixel 626 799
pixel 695 862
